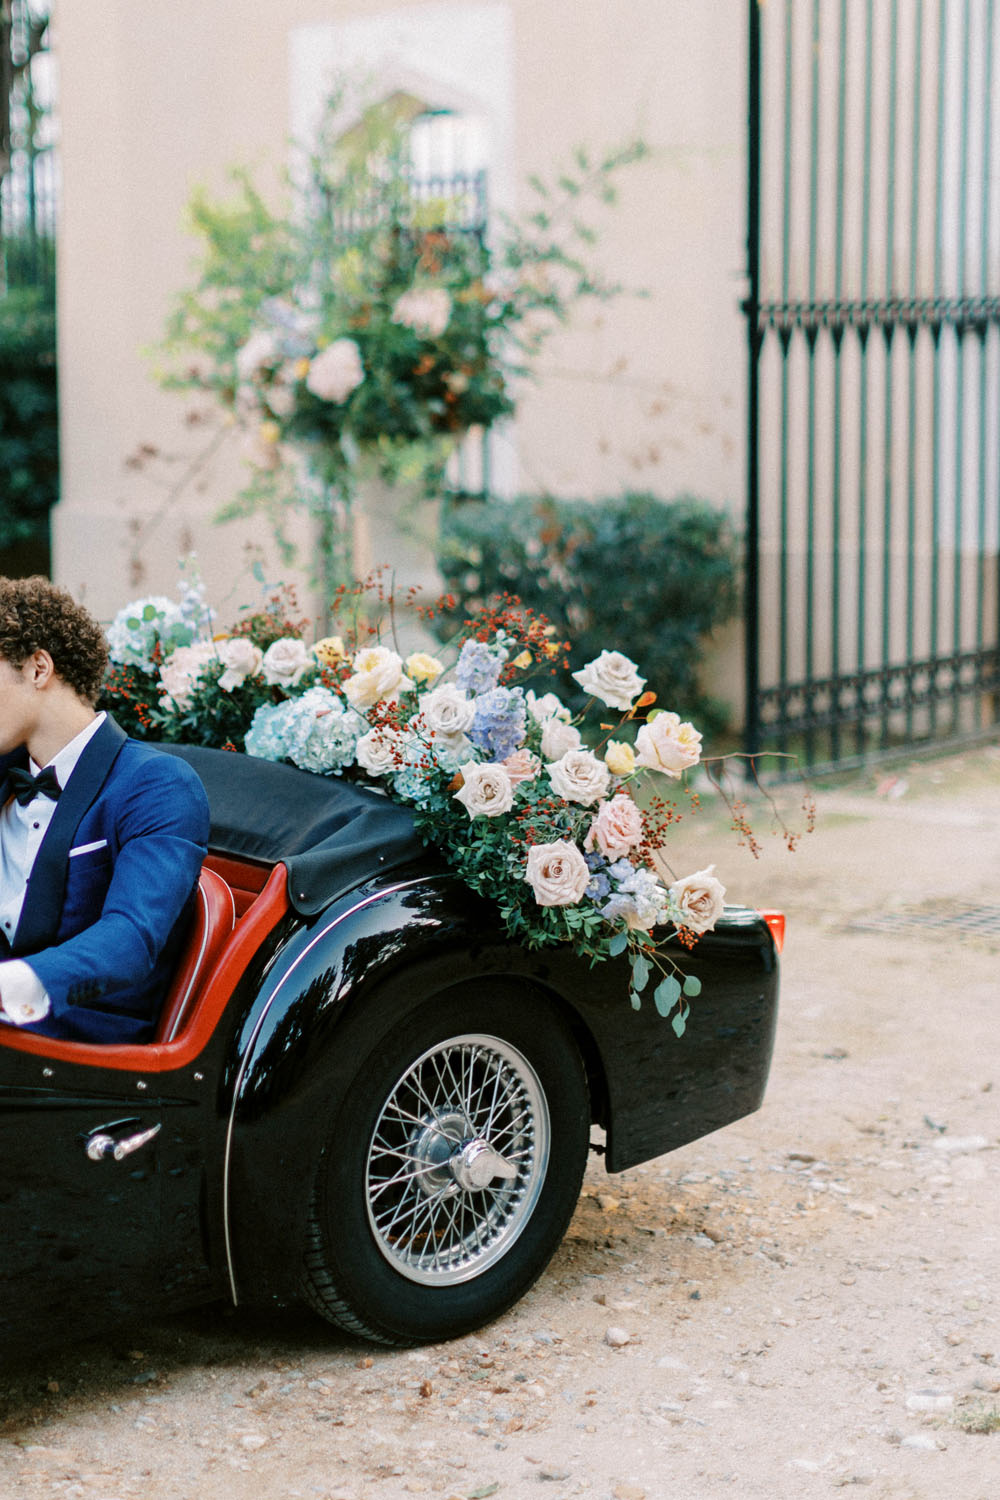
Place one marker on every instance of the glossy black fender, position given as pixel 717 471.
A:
pixel 340 982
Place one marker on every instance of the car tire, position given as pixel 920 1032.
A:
pixel 450 1170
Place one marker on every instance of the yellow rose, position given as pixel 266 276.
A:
pixel 619 758
pixel 423 667
pixel 523 660
pixel 329 650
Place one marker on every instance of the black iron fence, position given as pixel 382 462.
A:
pixel 873 607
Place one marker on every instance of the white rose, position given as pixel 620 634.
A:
pixel 547 706
pixel 426 311
pixel 558 737
pixel 447 711
pixel 379 752
pixel 284 662
pixel 182 670
pixel 612 678
pixel 241 659
pixel 336 371
pixel 259 351
pixel 378 676
pixel 557 873
pixel 700 898
pixel 486 791
pixel 665 744
pixel 579 776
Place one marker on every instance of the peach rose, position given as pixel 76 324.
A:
pixel 665 744
pixel 700 898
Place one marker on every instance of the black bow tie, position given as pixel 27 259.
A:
pixel 27 787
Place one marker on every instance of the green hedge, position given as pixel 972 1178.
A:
pixel 636 574
pixel 29 435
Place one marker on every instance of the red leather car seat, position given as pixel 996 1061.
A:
pixel 213 923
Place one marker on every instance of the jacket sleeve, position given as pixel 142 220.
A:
pixel 161 833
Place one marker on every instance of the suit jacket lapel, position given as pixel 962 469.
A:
pixel 43 899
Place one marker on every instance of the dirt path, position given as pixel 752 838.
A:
pixel 804 1302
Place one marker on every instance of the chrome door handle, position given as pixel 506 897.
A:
pixel 103 1145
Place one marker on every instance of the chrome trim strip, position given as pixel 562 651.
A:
pixel 358 906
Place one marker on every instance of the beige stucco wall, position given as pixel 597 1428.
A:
pixel 157 98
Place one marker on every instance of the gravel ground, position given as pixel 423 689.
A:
pixel 804 1302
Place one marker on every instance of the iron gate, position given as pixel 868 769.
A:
pixel 873 607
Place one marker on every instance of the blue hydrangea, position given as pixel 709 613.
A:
pixel 136 629
pixel 448 754
pixel 499 726
pixel 319 732
pixel 266 737
pixel 413 781
pixel 479 666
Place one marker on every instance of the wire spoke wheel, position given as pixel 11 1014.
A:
pixel 457 1160
pixel 451 1166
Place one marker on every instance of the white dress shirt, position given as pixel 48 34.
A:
pixel 22 998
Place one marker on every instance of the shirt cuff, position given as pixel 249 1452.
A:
pixel 22 995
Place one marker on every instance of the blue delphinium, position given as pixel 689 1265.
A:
pixel 479 666
pixel 499 726
pixel 600 885
pixel 639 895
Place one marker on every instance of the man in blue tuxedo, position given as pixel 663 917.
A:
pixel 101 837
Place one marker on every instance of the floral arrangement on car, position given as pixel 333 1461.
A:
pixel 558 817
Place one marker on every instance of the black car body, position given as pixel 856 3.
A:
pixel 370 1097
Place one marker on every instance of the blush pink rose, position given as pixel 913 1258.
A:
pixel 616 829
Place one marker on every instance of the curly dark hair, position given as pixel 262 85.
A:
pixel 37 616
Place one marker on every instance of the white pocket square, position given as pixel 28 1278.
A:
pixel 88 848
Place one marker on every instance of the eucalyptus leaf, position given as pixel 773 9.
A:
pixel 618 944
pixel 666 995
pixel 692 985
pixel 640 971
pixel 635 999
pixel 679 1021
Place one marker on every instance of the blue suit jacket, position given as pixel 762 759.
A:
pixel 103 929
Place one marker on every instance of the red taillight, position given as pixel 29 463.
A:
pixel 776 921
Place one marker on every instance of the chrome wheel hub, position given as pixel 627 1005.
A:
pixel 457 1160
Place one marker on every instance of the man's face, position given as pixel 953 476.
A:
pixel 18 704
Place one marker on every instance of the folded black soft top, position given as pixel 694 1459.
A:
pixel 332 834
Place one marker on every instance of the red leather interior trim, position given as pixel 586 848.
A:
pixel 214 921
pixel 163 1057
pixel 246 878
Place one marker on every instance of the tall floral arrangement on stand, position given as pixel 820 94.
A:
pixel 365 328
pixel 562 820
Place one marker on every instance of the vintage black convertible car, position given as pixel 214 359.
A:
pixel 361 1093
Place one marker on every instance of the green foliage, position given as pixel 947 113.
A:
pixel 29 445
pixel 635 574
